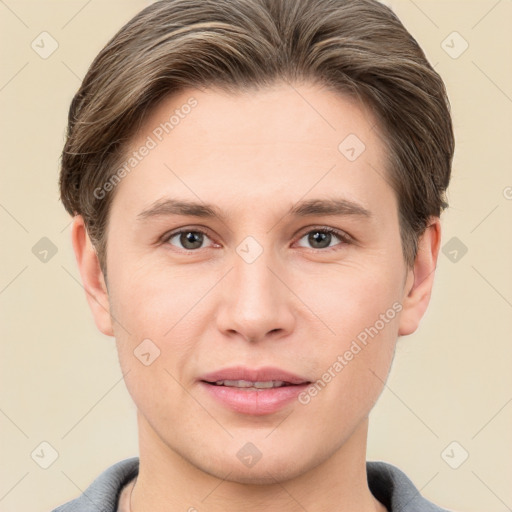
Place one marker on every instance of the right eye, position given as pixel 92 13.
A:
pixel 190 239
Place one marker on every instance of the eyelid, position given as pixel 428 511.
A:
pixel 339 232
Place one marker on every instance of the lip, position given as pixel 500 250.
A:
pixel 251 401
pixel 265 373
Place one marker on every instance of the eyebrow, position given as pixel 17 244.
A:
pixel 312 207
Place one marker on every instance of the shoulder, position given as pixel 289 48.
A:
pixel 391 486
pixel 104 491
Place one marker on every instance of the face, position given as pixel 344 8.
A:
pixel 288 269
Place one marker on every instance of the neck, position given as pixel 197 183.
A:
pixel 167 482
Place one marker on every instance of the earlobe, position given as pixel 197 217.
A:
pixel 92 277
pixel 420 279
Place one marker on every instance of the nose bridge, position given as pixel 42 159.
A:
pixel 255 302
pixel 255 284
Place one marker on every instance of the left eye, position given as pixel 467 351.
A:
pixel 321 238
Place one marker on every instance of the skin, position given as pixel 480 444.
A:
pixel 297 306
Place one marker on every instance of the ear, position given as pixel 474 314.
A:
pixel 92 277
pixel 420 278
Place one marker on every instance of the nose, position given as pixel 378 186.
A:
pixel 256 302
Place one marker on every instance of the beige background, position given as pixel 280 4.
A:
pixel 60 379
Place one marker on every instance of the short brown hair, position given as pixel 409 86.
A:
pixel 356 47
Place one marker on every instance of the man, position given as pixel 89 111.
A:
pixel 256 188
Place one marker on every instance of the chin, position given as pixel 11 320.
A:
pixel 263 472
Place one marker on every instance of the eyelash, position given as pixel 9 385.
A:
pixel 343 237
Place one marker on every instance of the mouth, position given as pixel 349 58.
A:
pixel 252 385
pixel 253 391
pixel 259 378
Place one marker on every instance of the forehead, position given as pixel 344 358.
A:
pixel 287 140
pixel 309 114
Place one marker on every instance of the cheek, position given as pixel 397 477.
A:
pixel 361 314
pixel 351 375
pixel 163 314
pixel 350 298
pixel 154 302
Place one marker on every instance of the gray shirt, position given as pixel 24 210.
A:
pixel 388 484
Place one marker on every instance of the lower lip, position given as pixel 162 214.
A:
pixel 255 402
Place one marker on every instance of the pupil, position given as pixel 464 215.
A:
pixel 318 237
pixel 191 238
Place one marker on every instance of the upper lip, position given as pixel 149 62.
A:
pixel 263 374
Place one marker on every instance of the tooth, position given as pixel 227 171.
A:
pixel 250 384
pixel 238 383
pixel 269 384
